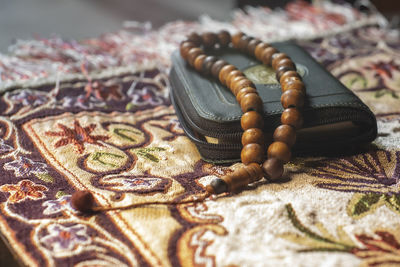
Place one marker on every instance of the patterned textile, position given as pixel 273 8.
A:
pixel 95 115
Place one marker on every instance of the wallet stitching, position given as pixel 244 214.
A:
pixel 277 111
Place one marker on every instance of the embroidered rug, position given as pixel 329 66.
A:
pixel 95 115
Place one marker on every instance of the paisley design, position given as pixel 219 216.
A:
pixel 95 115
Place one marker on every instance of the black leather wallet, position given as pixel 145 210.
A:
pixel 334 118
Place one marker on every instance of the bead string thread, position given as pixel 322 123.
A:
pixel 84 202
pixel 252 122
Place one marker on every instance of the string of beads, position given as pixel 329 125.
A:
pixel 194 49
pixel 252 122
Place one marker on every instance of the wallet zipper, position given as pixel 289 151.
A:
pixel 213 154
pixel 238 132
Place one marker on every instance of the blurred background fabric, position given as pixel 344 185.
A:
pixel 79 19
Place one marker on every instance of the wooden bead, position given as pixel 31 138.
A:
pixel 255 172
pixel 279 150
pixel 217 66
pixel 224 38
pixel 252 153
pixel 193 53
pixel 233 81
pixel 82 201
pixel 251 119
pixel 237 85
pixel 243 176
pixel 290 73
pixel 294 85
pixel 198 62
pixel 236 38
pixel 281 70
pixel 260 49
pixel 292 117
pixel 290 79
pixel 251 102
pixel 238 179
pixel 231 76
pixel 273 169
pixel 285 62
pixel 223 73
pixel 253 135
pixel 243 43
pixel 185 47
pixel 244 91
pixel 195 38
pixel 286 134
pixel 209 39
pixel 266 56
pixel 251 46
pixel 276 58
pixel 292 99
pixel 217 186
pixel 207 64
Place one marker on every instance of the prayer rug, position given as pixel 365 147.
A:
pixel 95 115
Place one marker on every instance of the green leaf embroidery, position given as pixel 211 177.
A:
pixel 145 152
pixel 101 156
pixel 383 92
pixel 129 106
pixel 316 241
pixel 380 93
pixel 45 177
pixel 296 223
pixel 393 202
pixel 363 203
pixel 122 133
pixel 356 79
pixel 60 194
pixel 322 249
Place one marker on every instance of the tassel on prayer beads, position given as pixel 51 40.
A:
pixel 236 180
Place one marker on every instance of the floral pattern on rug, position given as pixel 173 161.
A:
pixel 373 176
pixel 371 69
pixel 380 249
pixel 104 123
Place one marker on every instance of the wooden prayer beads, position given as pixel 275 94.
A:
pixel 253 135
pixel 238 179
pixel 286 134
pixel 252 121
pixel 292 99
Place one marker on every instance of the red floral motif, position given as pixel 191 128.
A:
pixel 24 189
pixel 382 250
pixel 103 92
pixel 77 136
pixel 384 69
pixel 378 251
pixel 302 10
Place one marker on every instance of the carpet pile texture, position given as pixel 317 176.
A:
pixel 95 115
